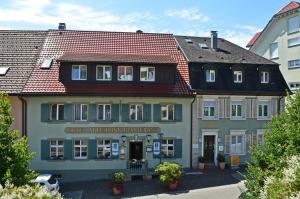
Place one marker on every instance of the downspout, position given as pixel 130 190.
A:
pixel 24 116
pixel 191 138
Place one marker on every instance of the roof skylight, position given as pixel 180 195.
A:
pixel 203 45
pixel 188 40
pixel 46 63
pixel 3 70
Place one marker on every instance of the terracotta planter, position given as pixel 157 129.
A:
pixel 117 189
pixel 222 165
pixel 201 165
pixel 173 185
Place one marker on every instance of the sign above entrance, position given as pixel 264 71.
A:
pixel 112 130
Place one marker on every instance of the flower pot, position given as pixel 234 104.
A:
pixel 173 185
pixel 117 189
pixel 201 165
pixel 222 165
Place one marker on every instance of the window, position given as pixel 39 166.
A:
pixel 147 74
pixel 264 77
pixel 236 110
pixel 80 149
pixel 294 63
pixel 125 73
pixel 237 76
pixel 210 75
pixel 79 72
pixel 293 24
pixel 46 63
pixel 104 112
pixel 167 112
pixel 274 50
pixel 294 86
pixel 57 112
pixel 260 137
pixel 136 112
pixel 56 149
pixel 293 42
pixel 3 70
pixel 104 148
pixel 237 144
pixel 263 110
pixel 81 112
pixel 167 147
pixel 209 109
pixel 103 73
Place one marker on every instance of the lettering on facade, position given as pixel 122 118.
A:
pixel 95 130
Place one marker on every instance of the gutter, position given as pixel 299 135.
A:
pixel 191 138
pixel 24 116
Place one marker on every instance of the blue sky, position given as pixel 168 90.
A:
pixel 236 20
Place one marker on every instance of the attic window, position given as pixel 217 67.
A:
pixel 3 70
pixel 203 45
pixel 46 63
pixel 188 40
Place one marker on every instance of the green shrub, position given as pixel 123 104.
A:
pixel 201 159
pixel 168 172
pixel 221 158
pixel 118 178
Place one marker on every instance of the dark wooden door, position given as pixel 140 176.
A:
pixel 209 148
pixel 136 150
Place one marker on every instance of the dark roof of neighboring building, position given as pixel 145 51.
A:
pixel 59 43
pixel 226 52
pixel 289 7
pixel 19 50
pixel 117 58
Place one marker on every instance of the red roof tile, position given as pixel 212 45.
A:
pixel 291 6
pixel 253 40
pixel 59 43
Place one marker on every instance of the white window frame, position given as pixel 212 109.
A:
pixel 210 75
pixel 104 67
pixel 293 42
pixel 204 106
pixel 56 146
pixel 296 20
pixel 105 118
pixel 236 104
pixel 81 112
pixel 294 87
pixel 81 146
pixel 263 104
pixel 167 107
pixel 80 68
pixel 243 144
pixel 57 112
pixel 167 152
pixel 136 112
pixel 237 76
pixel 147 73
pixel 105 148
pixel 294 63
pixel 260 132
pixel 125 71
pixel 264 77
pixel 274 51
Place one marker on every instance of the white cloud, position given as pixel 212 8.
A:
pixel 188 14
pixel 237 37
pixel 252 29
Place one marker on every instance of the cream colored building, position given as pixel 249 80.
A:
pixel 280 42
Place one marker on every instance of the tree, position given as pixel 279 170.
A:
pixel 14 155
pixel 282 142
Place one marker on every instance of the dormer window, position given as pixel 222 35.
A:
pixel 264 77
pixel 103 73
pixel 147 74
pixel 79 72
pixel 210 75
pixel 237 76
pixel 125 73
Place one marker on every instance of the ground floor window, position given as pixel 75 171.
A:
pixel 104 148
pixel 260 137
pixel 56 149
pixel 80 149
pixel 237 144
pixel 167 147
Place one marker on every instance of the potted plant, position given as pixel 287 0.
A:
pixel 169 174
pixel 117 183
pixel 201 162
pixel 221 160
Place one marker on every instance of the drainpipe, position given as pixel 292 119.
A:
pixel 191 139
pixel 24 116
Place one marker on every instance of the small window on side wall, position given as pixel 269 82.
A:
pixel 274 50
pixel 237 76
pixel 147 74
pixel 293 24
pixel 79 72
pixel 210 75
pixel 264 77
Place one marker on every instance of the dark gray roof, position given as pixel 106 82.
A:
pixel 227 52
pixel 19 50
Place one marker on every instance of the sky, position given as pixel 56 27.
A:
pixel 235 20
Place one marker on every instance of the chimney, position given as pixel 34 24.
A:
pixel 214 40
pixel 61 26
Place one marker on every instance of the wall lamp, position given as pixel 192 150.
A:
pixel 149 138
pixel 123 137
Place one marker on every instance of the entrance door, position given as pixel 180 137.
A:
pixel 136 150
pixel 209 148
